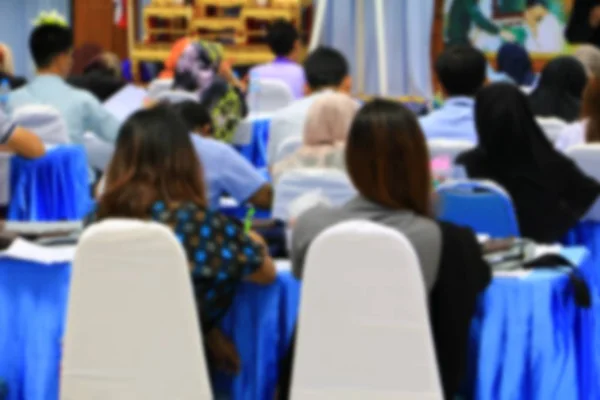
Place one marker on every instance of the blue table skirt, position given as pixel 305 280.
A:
pixel 256 150
pixel 529 341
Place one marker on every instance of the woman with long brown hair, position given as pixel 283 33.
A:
pixel 388 162
pixel 587 130
pixel 155 175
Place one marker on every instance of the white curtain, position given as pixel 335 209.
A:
pixel 17 18
pixel 408 25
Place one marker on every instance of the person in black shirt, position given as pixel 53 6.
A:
pixel 584 25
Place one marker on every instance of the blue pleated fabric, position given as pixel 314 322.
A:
pixel 52 188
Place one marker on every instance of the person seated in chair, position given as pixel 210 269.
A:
pixel 461 70
pixel 101 77
pixel 51 46
pixel 155 175
pixel 388 163
pixel 19 140
pixel 549 192
pixel 7 69
pixel 225 170
pixel 326 71
pixel 284 42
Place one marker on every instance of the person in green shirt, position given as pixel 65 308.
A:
pixel 461 17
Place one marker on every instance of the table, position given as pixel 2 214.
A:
pixel 529 341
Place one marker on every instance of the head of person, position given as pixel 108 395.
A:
pixel 327 68
pixel 198 66
pixel 514 61
pixel 51 47
pixel 154 160
pixel 387 157
pixel 564 75
pixel 591 110
pixel 461 70
pixel 106 64
pixel 6 60
pixel 589 56
pixel 196 117
pixel 283 39
pixel 328 120
pixel 506 127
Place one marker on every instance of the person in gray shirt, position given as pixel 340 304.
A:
pixel 388 162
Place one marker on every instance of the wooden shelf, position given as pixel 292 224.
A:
pixel 168 12
pixel 268 13
pixel 218 24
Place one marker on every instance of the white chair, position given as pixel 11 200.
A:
pixel 363 329
pixel 243 133
pixel 552 127
pixel 448 147
pixel 177 96
pixel 98 151
pixel 268 95
pixel 132 327
pixel 333 185
pixel 45 121
pixel 587 157
pixel 288 147
pixel 158 86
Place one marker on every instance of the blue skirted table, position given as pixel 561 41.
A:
pixel 529 340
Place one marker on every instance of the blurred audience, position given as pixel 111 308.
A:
pixel 589 56
pixel 461 70
pixel 514 61
pixel 50 47
pixel 558 93
pixel 587 130
pixel 101 77
pixel 157 176
pixel 284 41
pixel 549 192
pixel 7 68
pixel 83 56
pixel 388 162
pixel 326 70
pixel 202 71
pixel 176 52
pixel 325 133
pixel 225 170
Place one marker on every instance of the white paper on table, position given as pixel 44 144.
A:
pixel 21 249
pixel 41 228
pixel 516 273
pixel 542 250
pixel 283 265
pixel 126 101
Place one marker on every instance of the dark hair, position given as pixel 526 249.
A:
pixel 281 37
pixel 154 160
pixel 461 70
pixel 193 114
pixel 387 157
pixel 49 41
pixel 591 110
pixel 325 67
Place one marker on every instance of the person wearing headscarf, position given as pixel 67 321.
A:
pixel 549 192
pixel 587 130
pixel 584 24
pixel 514 61
pixel 589 56
pixel 7 69
pixel 325 132
pixel 558 93
pixel 201 70
pixel 171 62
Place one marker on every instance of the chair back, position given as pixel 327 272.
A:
pixel 98 151
pixel 288 147
pixel 268 95
pixel 552 127
pixel 483 206
pixel 45 121
pixel 587 157
pixel 132 327
pixel 177 96
pixel 55 187
pixel 158 86
pixel 331 184
pixel 448 148
pixel 358 338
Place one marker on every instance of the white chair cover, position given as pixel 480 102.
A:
pixel 587 157
pixel 448 147
pixel 363 330
pixel 45 121
pixel 331 184
pixel 288 147
pixel 158 86
pixel 243 133
pixel 268 95
pixel 132 327
pixel 177 96
pixel 552 127
pixel 98 151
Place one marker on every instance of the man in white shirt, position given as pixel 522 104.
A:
pixel 326 70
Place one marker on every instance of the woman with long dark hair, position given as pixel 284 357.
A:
pixel 549 192
pixel 388 162
pixel 155 175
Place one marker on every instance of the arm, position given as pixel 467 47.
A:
pixel 19 140
pixel 480 20
pixel 266 273
pixel 100 121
